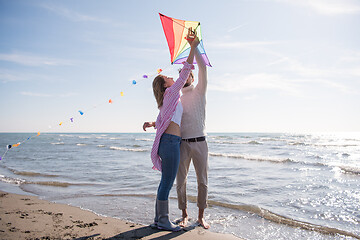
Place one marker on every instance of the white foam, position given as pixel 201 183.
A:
pixel 129 149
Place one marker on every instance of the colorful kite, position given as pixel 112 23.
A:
pixel 175 31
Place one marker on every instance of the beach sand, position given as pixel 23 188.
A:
pixel 28 217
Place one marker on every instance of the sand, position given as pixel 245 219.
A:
pixel 28 217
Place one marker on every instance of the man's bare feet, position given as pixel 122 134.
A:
pixel 185 218
pixel 184 221
pixel 204 224
pixel 201 219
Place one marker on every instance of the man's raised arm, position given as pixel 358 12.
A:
pixel 202 76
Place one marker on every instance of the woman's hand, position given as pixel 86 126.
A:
pixel 148 124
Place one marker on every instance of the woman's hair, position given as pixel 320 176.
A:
pixel 159 89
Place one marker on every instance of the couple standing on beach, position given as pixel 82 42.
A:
pixel 180 137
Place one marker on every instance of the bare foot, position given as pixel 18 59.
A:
pixel 204 224
pixel 183 222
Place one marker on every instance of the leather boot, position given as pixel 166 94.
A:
pixel 163 219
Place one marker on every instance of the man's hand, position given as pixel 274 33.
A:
pixel 192 39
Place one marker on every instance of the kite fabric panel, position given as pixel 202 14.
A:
pixel 175 31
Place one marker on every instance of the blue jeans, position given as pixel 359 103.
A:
pixel 169 152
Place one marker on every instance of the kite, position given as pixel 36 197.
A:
pixel 175 32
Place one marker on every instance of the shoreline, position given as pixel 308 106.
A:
pixel 28 217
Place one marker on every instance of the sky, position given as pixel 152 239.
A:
pixel 278 65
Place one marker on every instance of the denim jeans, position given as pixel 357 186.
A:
pixel 169 152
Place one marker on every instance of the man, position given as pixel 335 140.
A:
pixel 193 145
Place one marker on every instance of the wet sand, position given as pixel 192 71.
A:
pixel 28 217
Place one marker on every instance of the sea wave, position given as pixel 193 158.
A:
pixel 223 142
pixel 19 181
pixel 350 169
pixel 115 138
pixel 298 144
pixel 58 143
pixel 336 145
pixel 254 142
pixel 31 174
pixel 129 149
pixel 81 144
pixel 101 137
pixel 252 158
pixel 54 184
pixel 66 135
pixel 84 137
pixel 144 139
pixel 266 139
pixel 344 169
pixel 222 137
pixel 11 180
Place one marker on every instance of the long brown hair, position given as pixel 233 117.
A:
pixel 159 89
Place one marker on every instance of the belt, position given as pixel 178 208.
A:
pixel 198 139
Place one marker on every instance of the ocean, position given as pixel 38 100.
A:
pixel 261 185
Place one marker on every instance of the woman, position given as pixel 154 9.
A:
pixel 165 153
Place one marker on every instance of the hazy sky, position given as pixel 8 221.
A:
pixel 278 65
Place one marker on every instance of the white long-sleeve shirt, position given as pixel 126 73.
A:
pixel 193 100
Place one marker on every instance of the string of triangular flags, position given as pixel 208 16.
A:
pixel 81 112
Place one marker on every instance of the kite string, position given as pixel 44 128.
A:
pixel 4 154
